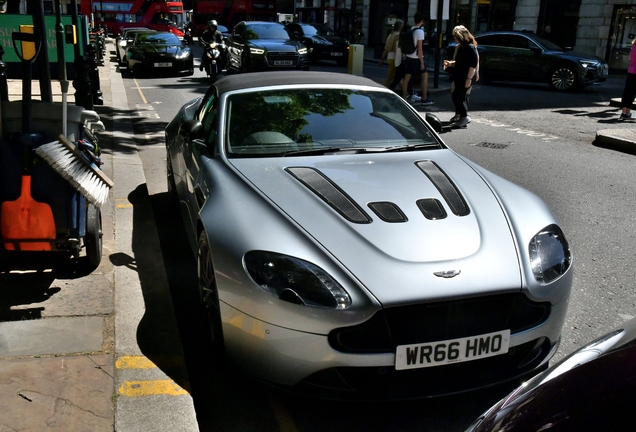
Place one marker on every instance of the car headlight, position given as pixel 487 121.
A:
pixel 550 255
pixel 302 51
pixel 182 54
pixel 257 51
pixel 295 280
pixel 589 63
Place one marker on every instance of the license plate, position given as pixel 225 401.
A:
pixel 163 64
pixel 452 351
pixel 336 54
pixel 283 63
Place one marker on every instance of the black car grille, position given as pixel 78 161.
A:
pixel 273 57
pixel 406 325
pixel 389 383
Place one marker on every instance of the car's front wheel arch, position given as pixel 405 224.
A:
pixel 563 77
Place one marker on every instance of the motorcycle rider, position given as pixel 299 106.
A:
pixel 212 34
pixel 188 31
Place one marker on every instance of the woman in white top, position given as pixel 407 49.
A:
pixel 389 51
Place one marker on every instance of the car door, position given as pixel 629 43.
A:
pixel 506 56
pixel 197 149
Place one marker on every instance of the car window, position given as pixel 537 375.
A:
pixel 159 39
pixel 275 122
pixel 207 116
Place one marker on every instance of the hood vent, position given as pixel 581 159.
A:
pixel 330 193
pixel 431 208
pixel 388 212
pixel 445 187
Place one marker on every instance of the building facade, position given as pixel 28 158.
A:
pixel 601 27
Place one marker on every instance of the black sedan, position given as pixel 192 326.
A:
pixel 322 41
pixel 159 53
pixel 526 57
pixel 591 390
pixel 260 46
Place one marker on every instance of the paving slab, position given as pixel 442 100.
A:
pixel 51 336
pixel 58 393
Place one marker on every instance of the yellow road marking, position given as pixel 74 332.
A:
pixel 143 362
pixel 150 388
pixel 140 92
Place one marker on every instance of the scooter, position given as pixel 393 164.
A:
pixel 214 59
pixel 187 35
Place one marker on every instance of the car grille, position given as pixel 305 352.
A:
pixel 274 56
pixel 406 325
pixel 389 383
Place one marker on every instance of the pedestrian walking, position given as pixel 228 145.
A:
pixel 464 72
pixel 390 48
pixel 629 92
pixel 414 64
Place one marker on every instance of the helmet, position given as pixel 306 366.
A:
pixel 213 23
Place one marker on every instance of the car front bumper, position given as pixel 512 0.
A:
pixel 308 363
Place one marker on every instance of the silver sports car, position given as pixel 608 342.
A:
pixel 343 247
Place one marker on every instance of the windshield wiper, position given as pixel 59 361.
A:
pixel 410 147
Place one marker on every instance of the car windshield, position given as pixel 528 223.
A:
pixel 158 39
pixel 290 122
pixel 318 29
pixel 267 31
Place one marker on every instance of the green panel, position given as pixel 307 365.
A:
pixel 10 23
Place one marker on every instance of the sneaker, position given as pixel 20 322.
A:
pixel 462 122
pixel 627 117
pixel 413 98
pixel 427 102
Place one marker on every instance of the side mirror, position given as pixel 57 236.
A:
pixel 191 130
pixel 432 120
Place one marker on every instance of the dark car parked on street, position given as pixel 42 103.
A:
pixel 590 390
pixel 160 53
pixel 260 45
pixel 322 41
pixel 125 39
pixel 526 57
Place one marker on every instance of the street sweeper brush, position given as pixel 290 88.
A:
pixel 68 162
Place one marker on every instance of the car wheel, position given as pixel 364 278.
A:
pixel 93 237
pixel 563 78
pixel 208 293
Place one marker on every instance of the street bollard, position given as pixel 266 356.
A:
pixel 93 74
pixel 4 87
pixel 82 83
pixel 356 58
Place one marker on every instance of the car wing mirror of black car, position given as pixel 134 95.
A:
pixel 536 50
pixel 434 121
pixel 191 130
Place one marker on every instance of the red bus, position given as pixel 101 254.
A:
pixel 118 14
pixel 230 12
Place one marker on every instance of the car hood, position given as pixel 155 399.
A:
pixel 418 255
pixel 276 44
pixel 576 55
pixel 329 40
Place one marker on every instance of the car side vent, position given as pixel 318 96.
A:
pixel 330 193
pixel 431 208
pixel 445 186
pixel 388 212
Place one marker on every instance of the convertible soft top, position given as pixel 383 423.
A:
pixel 276 78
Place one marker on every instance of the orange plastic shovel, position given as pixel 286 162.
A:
pixel 27 225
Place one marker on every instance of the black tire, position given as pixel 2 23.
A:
pixel 209 294
pixel 93 238
pixel 563 78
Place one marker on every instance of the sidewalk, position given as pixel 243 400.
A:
pixel 65 369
